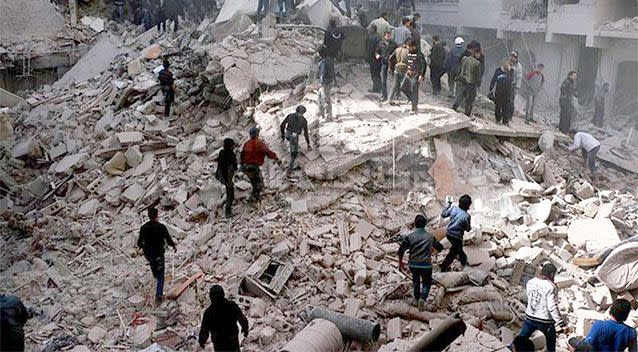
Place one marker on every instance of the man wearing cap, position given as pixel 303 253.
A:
pixel 517 78
pixel 291 128
pixel 252 158
pixel 452 64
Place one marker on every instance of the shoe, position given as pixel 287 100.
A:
pixel 454 107
pixel 158 301
pixel 414 302
pixel 420 305
pixel 415 112
pixel 229 213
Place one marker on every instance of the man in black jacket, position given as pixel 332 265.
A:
pixel 167 84
pixel 384 50
pixel 153 237
pixel 375 64
pixel 13 316
pixel 220 322
pixel 420 244
pixel 437 59
pixel 566 101
pixel 333 39
pixel 226 167
pixel 291 128
pixel 501 83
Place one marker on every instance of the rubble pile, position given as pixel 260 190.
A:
pixel 86 158
pixel 627 24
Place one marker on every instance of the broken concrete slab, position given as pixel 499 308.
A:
pixel 126 138
pixel 133 192
pixel 592 234
pixel 540 211
pixel 95 23
pixel 133 156
pixel 613 151
pixel 70 162
pixel 151 52
pixel 237 7
pixel 619 270
pixel 237 24
pixel 116 165
pixel 89 207
pixel 526 189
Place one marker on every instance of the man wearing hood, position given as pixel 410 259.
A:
pixel 220 322
pixel 452 63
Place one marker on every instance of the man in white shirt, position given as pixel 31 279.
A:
pixel 589 146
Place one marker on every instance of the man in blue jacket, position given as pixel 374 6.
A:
pixel 613 334
pixel 420 244
pixel 452 64
pixel 459 223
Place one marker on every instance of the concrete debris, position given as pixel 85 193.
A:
pixel 95 23
pixel 592 234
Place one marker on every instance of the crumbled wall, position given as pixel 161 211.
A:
pixel 25 19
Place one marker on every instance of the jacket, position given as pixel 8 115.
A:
pixel 518 75
pixel 420 244
pixel 585 141
pixel 326 72
pixel 452 63
pixel 437 56
pixel 610 335
pixel 470 72
pixel 226 165
pixel 371 47
pixel 385 49
pixel 13 316
pixel 567 90
pixel 502 81
pixel 401 34
pixel 542 302
pixel 534 82
pixel 416 64
pixel 254 152
pixel 153 236
pixel 332 39
pixel 166 79
pixel 382 26
pixel 295 123
pixel 220 322
pixel 460 221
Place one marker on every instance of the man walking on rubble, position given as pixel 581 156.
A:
pixel 252 158
pixel 167 84
pixel 460 221
pixel 599 104
pixel 589 146
pixel 13 316
pixel 383 53
pixel 326 76
pixel 420 244
pixel 501 91
pixel 437 60
pixel 414 75
pixel 373 62
pixel 542 307
pixel 333 39
pixel 468 81
pixel 399 62
pixel 220 322
pixel 153 237
pixel 226 167
pixel 452 64
pixel 534 82
pixel 613 334
pixel 291 128
pixel 517 78
pixel 566 101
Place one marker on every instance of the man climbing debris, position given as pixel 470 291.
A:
pixel 252 158
pixel 291 128
pixel 153 238
pixel 225 173
pixel 220 322
pixel 460 221
pixel 420 244
pixel 589 146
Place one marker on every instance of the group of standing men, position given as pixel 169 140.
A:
pixel 157 12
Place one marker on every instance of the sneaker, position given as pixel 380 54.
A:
pixel 454 107
pixel 158 301
pixel 414 302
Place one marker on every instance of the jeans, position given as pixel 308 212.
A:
pixel 502 108
pixel 530 101
pixel 230 195
pixel 410 86
pixel 325 102
pixel 293 138
pixel 435 78
pixel 375 74
pixel 118 13
pixel 547 329
pixel 157 268
pixel 384 80
pixel 451 83
pixel 421 282
pixel 256 180
pixel 590 159
pixel 161 25
pixel 455 251
pixel 262 7
pixel 396 88
pixel 466 93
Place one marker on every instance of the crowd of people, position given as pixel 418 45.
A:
pixel 149 13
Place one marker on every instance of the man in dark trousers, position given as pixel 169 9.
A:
pixel 452 64
pixel 252 158
pixel 375 64
pixel 589 146
pixel 468 81
pixel 599 104
pixel 414 75
pixel 13 316
pixel 420 244
pixel 226 167
pixel 460 221
pixel 153 237
pixel 291 128
pixel 566 101
pixel 384 50
pixel 167 84
pixel 333 39
pixel 327 77
pixel 220 322
pixel 437 60
pixel 118 10
pixel 501 89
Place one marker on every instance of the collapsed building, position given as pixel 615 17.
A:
pixel 84 157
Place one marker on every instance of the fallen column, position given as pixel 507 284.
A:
pixel 320 335
pixel 354 328
pixel 442 336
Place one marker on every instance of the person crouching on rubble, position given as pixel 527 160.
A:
pixel 420 244
pixel 167 84
pixel 460 222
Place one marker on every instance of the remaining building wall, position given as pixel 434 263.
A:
pixel 26 19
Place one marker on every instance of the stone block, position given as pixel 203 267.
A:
pixel 133 156
pixel 151 52
pixel 133 193
pixel 116 165
pixel 89 207
pixel 594 234
pixel 563 280
pixel 129 137
pixel 96 334
pixel 584 190
pixel 602 296
pixel 134 67
pixel 69 163
pixel 541 210
pixel 394 329
pixel 342 288
pixel 526 189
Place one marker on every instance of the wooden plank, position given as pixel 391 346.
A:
pixel 344 238
pixel 281 277
pixel 177 291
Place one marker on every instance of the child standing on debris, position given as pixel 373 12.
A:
pixel 226 167
pixel 460 221
pixel 252 158
pixel 326 76
pixel 167 83
pixel 420 244
pixel 220 322
pixel 291 128
pixel 542 307
pixel 153 237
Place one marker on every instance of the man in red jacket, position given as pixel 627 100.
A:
pixel 252 158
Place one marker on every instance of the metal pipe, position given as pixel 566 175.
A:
pixel 442 336
pixel 320 335
pixel 352 327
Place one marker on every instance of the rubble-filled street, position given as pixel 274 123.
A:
pixel 315 265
